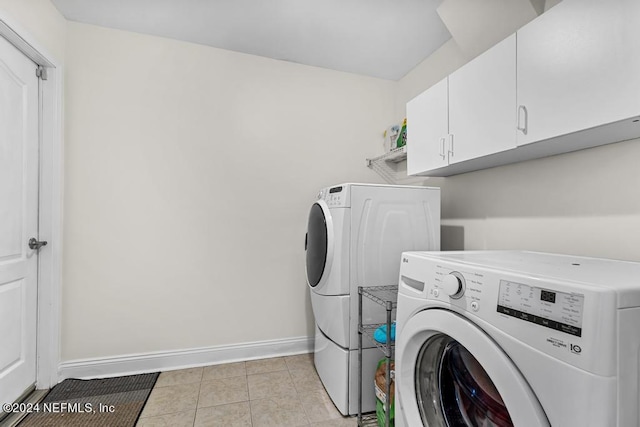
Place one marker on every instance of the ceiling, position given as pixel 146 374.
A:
pixel 379 38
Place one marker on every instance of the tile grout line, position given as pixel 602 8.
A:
pixel 195 412
pixel 246 377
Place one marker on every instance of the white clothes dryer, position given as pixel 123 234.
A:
pixel 355 236
pixel 506 338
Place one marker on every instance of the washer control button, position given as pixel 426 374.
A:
pixel 454 284
pixel 436 293
pixel 475 306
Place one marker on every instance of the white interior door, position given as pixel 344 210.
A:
pixel 18 221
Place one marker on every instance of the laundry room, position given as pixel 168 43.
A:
pixel 174 153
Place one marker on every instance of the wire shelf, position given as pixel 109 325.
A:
pixel 396 155
pixel 386 165
pixel 369 419
pixel 369 331
pixel 390 166
pixel 382 294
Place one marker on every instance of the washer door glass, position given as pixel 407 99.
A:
pixel 316 245
pixel 454 390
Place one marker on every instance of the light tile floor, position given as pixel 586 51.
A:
pixel 282 392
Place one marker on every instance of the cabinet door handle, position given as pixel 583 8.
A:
pixel 451 144
pixel 442 154
pixel 523 109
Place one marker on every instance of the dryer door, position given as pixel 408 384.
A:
pixel 319 243
pixel 450 373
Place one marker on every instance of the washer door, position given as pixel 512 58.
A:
pixel 319 243
pixel 450 373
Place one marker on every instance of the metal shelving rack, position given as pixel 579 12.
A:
pixel 387 297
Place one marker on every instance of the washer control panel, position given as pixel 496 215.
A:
pixel 550 308
pixel 335 197
pixel 555 310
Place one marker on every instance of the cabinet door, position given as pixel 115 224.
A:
pixel 482 101
pixel 578 67
pixel 427 130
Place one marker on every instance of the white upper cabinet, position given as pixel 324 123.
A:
pixel 482 95
pixel 427 130
pixel 578 68
pixel 568 80
pixel 469 115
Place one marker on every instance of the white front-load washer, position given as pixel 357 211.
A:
pixel 355 236
pixel 509 338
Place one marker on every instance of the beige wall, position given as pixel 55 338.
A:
pixel 41 20
pixel 579 203
pixel 189 174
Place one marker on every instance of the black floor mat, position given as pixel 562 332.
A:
pixel 112 402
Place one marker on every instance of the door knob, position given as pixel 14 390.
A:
pixel 36 244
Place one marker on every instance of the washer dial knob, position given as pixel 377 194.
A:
pixel 454 285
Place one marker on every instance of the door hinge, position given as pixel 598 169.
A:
pixel 41 72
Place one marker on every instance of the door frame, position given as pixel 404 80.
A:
pixel 50 200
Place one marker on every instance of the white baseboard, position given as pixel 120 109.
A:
pixel 180 359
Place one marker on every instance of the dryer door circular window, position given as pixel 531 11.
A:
pixel 317 243
pixel 453 389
